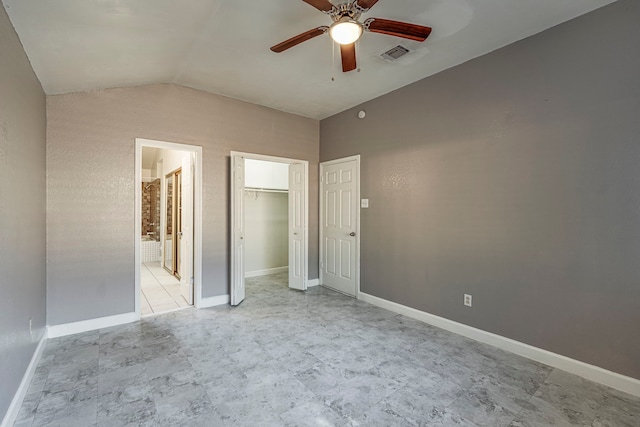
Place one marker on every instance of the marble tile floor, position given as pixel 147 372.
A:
pixel 160 290
pixel 288 358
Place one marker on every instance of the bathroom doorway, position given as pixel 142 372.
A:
pixel 168 226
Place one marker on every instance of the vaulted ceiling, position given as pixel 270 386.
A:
pixel 222 46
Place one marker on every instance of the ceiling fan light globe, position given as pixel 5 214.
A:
pixel 345 32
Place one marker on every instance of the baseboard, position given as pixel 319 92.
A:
pixel 594 373
pixel 90 325
pixel 16 403
pixel 313 282
pixel 266 271
pixel 214 301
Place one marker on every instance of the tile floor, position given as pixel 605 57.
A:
pixel 160 290
pixel 287 358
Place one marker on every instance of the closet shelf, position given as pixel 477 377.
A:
pixel 265 190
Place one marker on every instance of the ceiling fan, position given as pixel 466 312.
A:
pixel 346 29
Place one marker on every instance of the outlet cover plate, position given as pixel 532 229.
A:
pixel 468 300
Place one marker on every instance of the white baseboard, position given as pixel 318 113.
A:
pixel 16 403
pixel 266 271
pixel 594 373
pixel 90 325
pixel 313 282
pixel 214 301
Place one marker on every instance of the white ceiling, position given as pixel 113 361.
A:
pixel 222 46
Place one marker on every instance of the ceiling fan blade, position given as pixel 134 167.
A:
pixel 323 5
pixel 348 52
pixel 366 4
pixel 296 40
pixel 397 28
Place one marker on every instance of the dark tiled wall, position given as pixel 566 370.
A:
pixel 169 209
pixel 151 208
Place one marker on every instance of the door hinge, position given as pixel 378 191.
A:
pixel 322 179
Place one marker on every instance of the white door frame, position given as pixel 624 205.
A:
pixel 268 158
pixel 197 214
pixel 321 217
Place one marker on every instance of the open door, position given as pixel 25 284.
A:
pixel 237 290
pixel 297 231
pixel 185 206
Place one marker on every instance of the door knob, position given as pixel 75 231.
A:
pixel 352 234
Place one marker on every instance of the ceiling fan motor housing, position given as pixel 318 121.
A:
pixel 345 17
pixel 350 10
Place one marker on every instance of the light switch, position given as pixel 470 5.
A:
pixel 364 203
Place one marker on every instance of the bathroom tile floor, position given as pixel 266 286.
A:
pixel 160 290
pixel 315 358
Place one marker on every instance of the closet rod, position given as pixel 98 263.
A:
pixel 265 190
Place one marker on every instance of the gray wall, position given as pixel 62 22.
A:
pixel 22 211
pixel 514 177
pixel 90 184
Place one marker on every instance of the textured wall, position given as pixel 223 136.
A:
pixel 513 177
pixel 22 211
pixel 90 184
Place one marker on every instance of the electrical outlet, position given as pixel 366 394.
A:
pixel 467 300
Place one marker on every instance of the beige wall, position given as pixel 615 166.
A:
pixel 90 184
pixel 22 211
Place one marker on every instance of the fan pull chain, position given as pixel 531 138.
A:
pixel 358 50
pixel 333 60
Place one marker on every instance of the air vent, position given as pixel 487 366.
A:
pixel 395 53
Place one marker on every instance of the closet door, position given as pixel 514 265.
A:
pixel 297 230
pixel 339 189
pixel 237 229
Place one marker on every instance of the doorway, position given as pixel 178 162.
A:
pixel 168 258
pixel 264 189
pixel 340 225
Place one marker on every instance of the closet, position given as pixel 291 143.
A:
pixel 266 210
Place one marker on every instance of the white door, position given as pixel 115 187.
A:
pixel 297 231
pixel 237 229
pixel 339 191
pixel 186 239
